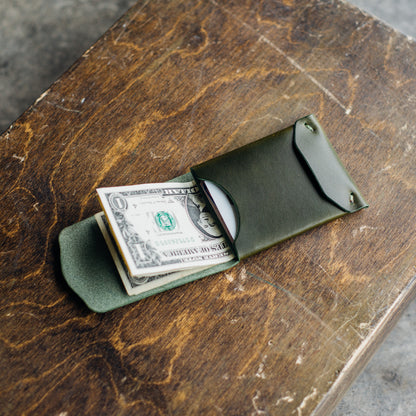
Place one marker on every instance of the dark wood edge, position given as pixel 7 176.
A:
pixel 365 351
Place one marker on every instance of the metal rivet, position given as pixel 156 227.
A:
pixel 310 127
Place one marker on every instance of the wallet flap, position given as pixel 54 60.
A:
pixel 271 184
pixel 324 166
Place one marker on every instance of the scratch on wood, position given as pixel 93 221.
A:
pixel 153 155
pixel 297 300
pixel 42 96
pixel 257 411
pixel 229 277
pixel 294 63
pixel 21 159
pixel 310 396
pixel 362 229
pixel 347 110
pixel 260 372
pixel 285 399
pixel 255 120
pixel 64 108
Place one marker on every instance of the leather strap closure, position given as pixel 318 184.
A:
pixel 323 164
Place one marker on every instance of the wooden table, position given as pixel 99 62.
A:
pixel 172 84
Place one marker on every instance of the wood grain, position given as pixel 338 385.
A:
pixel 172 84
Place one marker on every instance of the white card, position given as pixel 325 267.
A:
pixel 224 208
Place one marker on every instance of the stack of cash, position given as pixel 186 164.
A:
pixel 159 233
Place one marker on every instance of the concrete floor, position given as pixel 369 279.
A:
pixel 401 14
pixel 40 39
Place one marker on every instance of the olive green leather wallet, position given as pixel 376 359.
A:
pixel 279 186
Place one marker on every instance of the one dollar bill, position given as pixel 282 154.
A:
pixel 136 285
pixel 163 228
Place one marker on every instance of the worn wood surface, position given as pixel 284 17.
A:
pixel 171 84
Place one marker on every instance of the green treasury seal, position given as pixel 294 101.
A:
pixel 165 221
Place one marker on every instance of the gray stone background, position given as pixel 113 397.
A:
pixel 40 39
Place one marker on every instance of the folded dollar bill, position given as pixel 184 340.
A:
pixel 136 285
pixel 157 233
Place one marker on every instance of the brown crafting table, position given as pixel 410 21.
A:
pixel 171 84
